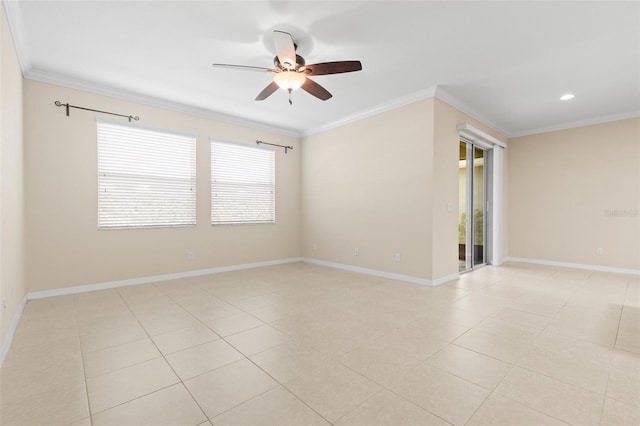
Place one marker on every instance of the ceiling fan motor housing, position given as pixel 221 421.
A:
pixel 300 62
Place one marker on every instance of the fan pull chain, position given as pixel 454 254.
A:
pixel 290 102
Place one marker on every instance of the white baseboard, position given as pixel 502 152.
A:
pixel 445 279
pixel 574 265
pixel 383 274
pixel 6 342
pixel 154 278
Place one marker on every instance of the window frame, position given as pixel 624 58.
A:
pixel 273 187
pixel 188 179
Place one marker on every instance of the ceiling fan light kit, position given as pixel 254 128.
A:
pixel 289 80
pixel 291 71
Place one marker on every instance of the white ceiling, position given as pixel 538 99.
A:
pixel 506 63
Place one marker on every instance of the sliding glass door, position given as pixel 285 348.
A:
pixel 472 225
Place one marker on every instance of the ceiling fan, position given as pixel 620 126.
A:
pixel 292 72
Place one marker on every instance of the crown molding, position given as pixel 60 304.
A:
pixel 447 97
pixel 98 89
pixel 431 92
pixel 379 109
pixel 14 20
pixel 579 123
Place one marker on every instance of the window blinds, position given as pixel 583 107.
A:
pixel 146 178
pixel 242 184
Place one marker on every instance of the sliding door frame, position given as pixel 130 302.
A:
pixel 494 256
pixel 470 231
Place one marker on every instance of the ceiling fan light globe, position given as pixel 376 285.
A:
pixel 289 80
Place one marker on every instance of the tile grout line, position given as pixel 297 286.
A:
pixel 515 365
pixel 84 371
pixel 293 393
pixel 537 410
pixel 545 328
pixel 163 357
pixel 245 357
pixel 136 398
pixel 615 342
pixel 388 389
pixel 535 372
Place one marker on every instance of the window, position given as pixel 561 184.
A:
pixel 242 184
pixel 146 178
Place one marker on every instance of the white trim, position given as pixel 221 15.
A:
pixel 497 206
pixel 86 86
pixel 137 125
pixel 154 278
pixel 445 279
pixel 431 92
pixel 379 109
pixel 243 143
pixel 478 137
pixel 188 274
pixel 13 16
pixel 465 129
pixel 579 123
pixel 598 268
pixel 6 342
pixel 448 98
pixel 383 274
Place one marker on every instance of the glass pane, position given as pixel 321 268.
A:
pixel 462 209
pixel 478 224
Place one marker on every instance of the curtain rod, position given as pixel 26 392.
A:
pixel 130 117
pixel 273 144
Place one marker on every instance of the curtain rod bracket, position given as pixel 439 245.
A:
pixel 258 142
pixel 67 106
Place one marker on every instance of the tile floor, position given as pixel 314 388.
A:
pixel 300 344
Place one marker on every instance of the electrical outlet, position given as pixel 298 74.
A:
pixel 397 257
pixel 4 305
pixel 599 251
pixel 191 255
pixel 314 246
pixel 356 251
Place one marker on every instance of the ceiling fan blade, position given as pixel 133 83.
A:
pixel 285 49
pixel 267 91
pixel 244 67
pixel 338 67
pixel 316 90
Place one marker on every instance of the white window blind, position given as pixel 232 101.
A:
pixel 242 184
pixel 146 178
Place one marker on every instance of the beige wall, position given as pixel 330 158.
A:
pixel 446 185
pixel 12 282
pixel 561 185
pixel 64 247
pixel 368 185
pixel 383 184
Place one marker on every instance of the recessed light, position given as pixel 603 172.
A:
pixel 567 97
